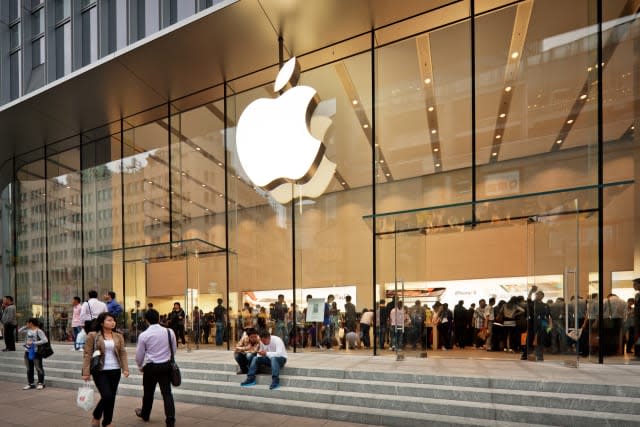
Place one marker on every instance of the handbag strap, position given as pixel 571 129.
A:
pixel 170 345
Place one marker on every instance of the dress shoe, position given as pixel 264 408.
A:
pixel 138 412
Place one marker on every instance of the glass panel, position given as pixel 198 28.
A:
pixel 37 22
pixel 151 16
pixel 16 77
pixel 621 163
pixel 7 206
pixel 64 239
pixel 333 244
pixel 14 37
pixel 63 9
pixel 31 228
pixel 90 36
pixel 35 3
pixel 14 9
pixel 63 50
pixel 85 3
pixel 37 52
pixel 531 73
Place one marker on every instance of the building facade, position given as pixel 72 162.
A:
pixel 476 155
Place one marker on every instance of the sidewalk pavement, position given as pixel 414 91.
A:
pixel 55 407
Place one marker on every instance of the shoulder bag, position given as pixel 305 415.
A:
pixel 44 350
pixel 94 365
pixel 176 378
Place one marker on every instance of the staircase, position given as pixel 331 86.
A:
pixel 381 391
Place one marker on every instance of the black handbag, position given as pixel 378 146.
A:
pixel 44 350
pixel 94 365
pixel 176 377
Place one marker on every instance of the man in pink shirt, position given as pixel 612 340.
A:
pixel 76 324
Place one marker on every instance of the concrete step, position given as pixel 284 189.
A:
pixel 358 402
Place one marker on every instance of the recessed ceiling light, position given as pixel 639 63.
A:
pixel 583 96
pixel 569 121
pixel 427 81
pixel 433 131
pixel 633 127
pixel 150 182
pixel 589 69
pixel 184 173
pixel 503 115
pixel 163 207
pixel 514 55
pixel 365 126
pixel 507 89
pixel 559 141
pixel 68 186
pixel 190 201
pixel 437 165
pixel 430 108
pixel 377 145
pixel 344 183
pixel 155 219
pixel 354 102
pixel 220 195
pixel 494 154
pixel 197 148
pixel 435 150
pixel 387 174
pixel 381 161
pixel 204 185
pixel 206 209
pixel 498 136
pixel 219 163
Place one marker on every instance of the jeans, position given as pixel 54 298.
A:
pixel 158 373
pixel 382 334
pixel 31 364
pixel 281 331
pixel 244 360
pixel 76 331
pixel 107 384
pixel 396 337
pixel 276 364
pixel 219 333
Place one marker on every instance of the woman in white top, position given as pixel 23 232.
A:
pixel 35 337
pixel 113 360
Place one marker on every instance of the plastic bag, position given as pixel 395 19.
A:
pixel 85 397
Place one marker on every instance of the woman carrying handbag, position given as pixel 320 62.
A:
pixel 109 349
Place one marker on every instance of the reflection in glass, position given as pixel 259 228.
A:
pixel 63 50
pixel 63 9
pixel 90 36
pixel 38 52
pixel 37 22
pixel 14 36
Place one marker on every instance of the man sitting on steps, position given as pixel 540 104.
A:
pixel 246 349
pixel 272 353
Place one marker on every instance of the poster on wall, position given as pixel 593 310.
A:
pixel 315 310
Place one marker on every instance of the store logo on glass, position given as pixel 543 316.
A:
pixel 279 140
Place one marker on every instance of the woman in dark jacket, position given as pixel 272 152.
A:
pixel 113 360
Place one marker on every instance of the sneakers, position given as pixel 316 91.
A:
pixel 28 387
pixel 274 385
pixel 40 386
pixel 248 383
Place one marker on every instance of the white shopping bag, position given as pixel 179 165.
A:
pixel 84 399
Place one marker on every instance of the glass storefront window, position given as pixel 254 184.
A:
pixel 63 9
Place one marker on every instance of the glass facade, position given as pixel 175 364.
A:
pixel 478 160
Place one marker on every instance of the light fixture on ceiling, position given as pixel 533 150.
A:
pixel 430 108
pixel 503 115
pixel 498 136
pixel 559 141
pixel 68 186
pixel 583 96
pixel 434 131
pixel 427 81
pixel 514 55
pixel 387 174
pixel 204 185
pixel 219 163
pixel 184 173
pixel 365 126
pixel 197 148
pixel 163 207
pixel 150 182
pixel 494 154
pixel 507 89
pixel 381 161
pixel 437 165
pixel 435 150
pixel 354 102
pixel 190 201
pixel 569 121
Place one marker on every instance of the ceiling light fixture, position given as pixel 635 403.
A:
pixel 569 121
pixel 430 108
pixel 559 141
pixel 434 131
pixel 150 182
pixel 583 96
pixel 435 150
pixel 204 185
pixel 381 161
pixel 365 126
pixel 507 89
pixel 503 115
pixel 494 154
pixel 354 102
pixel 427 81
pixel 437 165
pixel 514 55
pixel 197 148
pixel 498 136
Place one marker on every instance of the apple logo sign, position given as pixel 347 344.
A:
pixel 280 146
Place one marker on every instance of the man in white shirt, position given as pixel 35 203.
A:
pixel 272 353
pixel 92 308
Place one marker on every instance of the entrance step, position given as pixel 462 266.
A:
pixel 375 398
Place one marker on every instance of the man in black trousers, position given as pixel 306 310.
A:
pixel 9 322
pixel 155 345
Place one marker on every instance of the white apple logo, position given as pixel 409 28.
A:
pixel 273 141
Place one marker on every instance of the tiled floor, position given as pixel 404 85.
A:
pixel 53 407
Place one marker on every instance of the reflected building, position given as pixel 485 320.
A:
pixel 475 149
